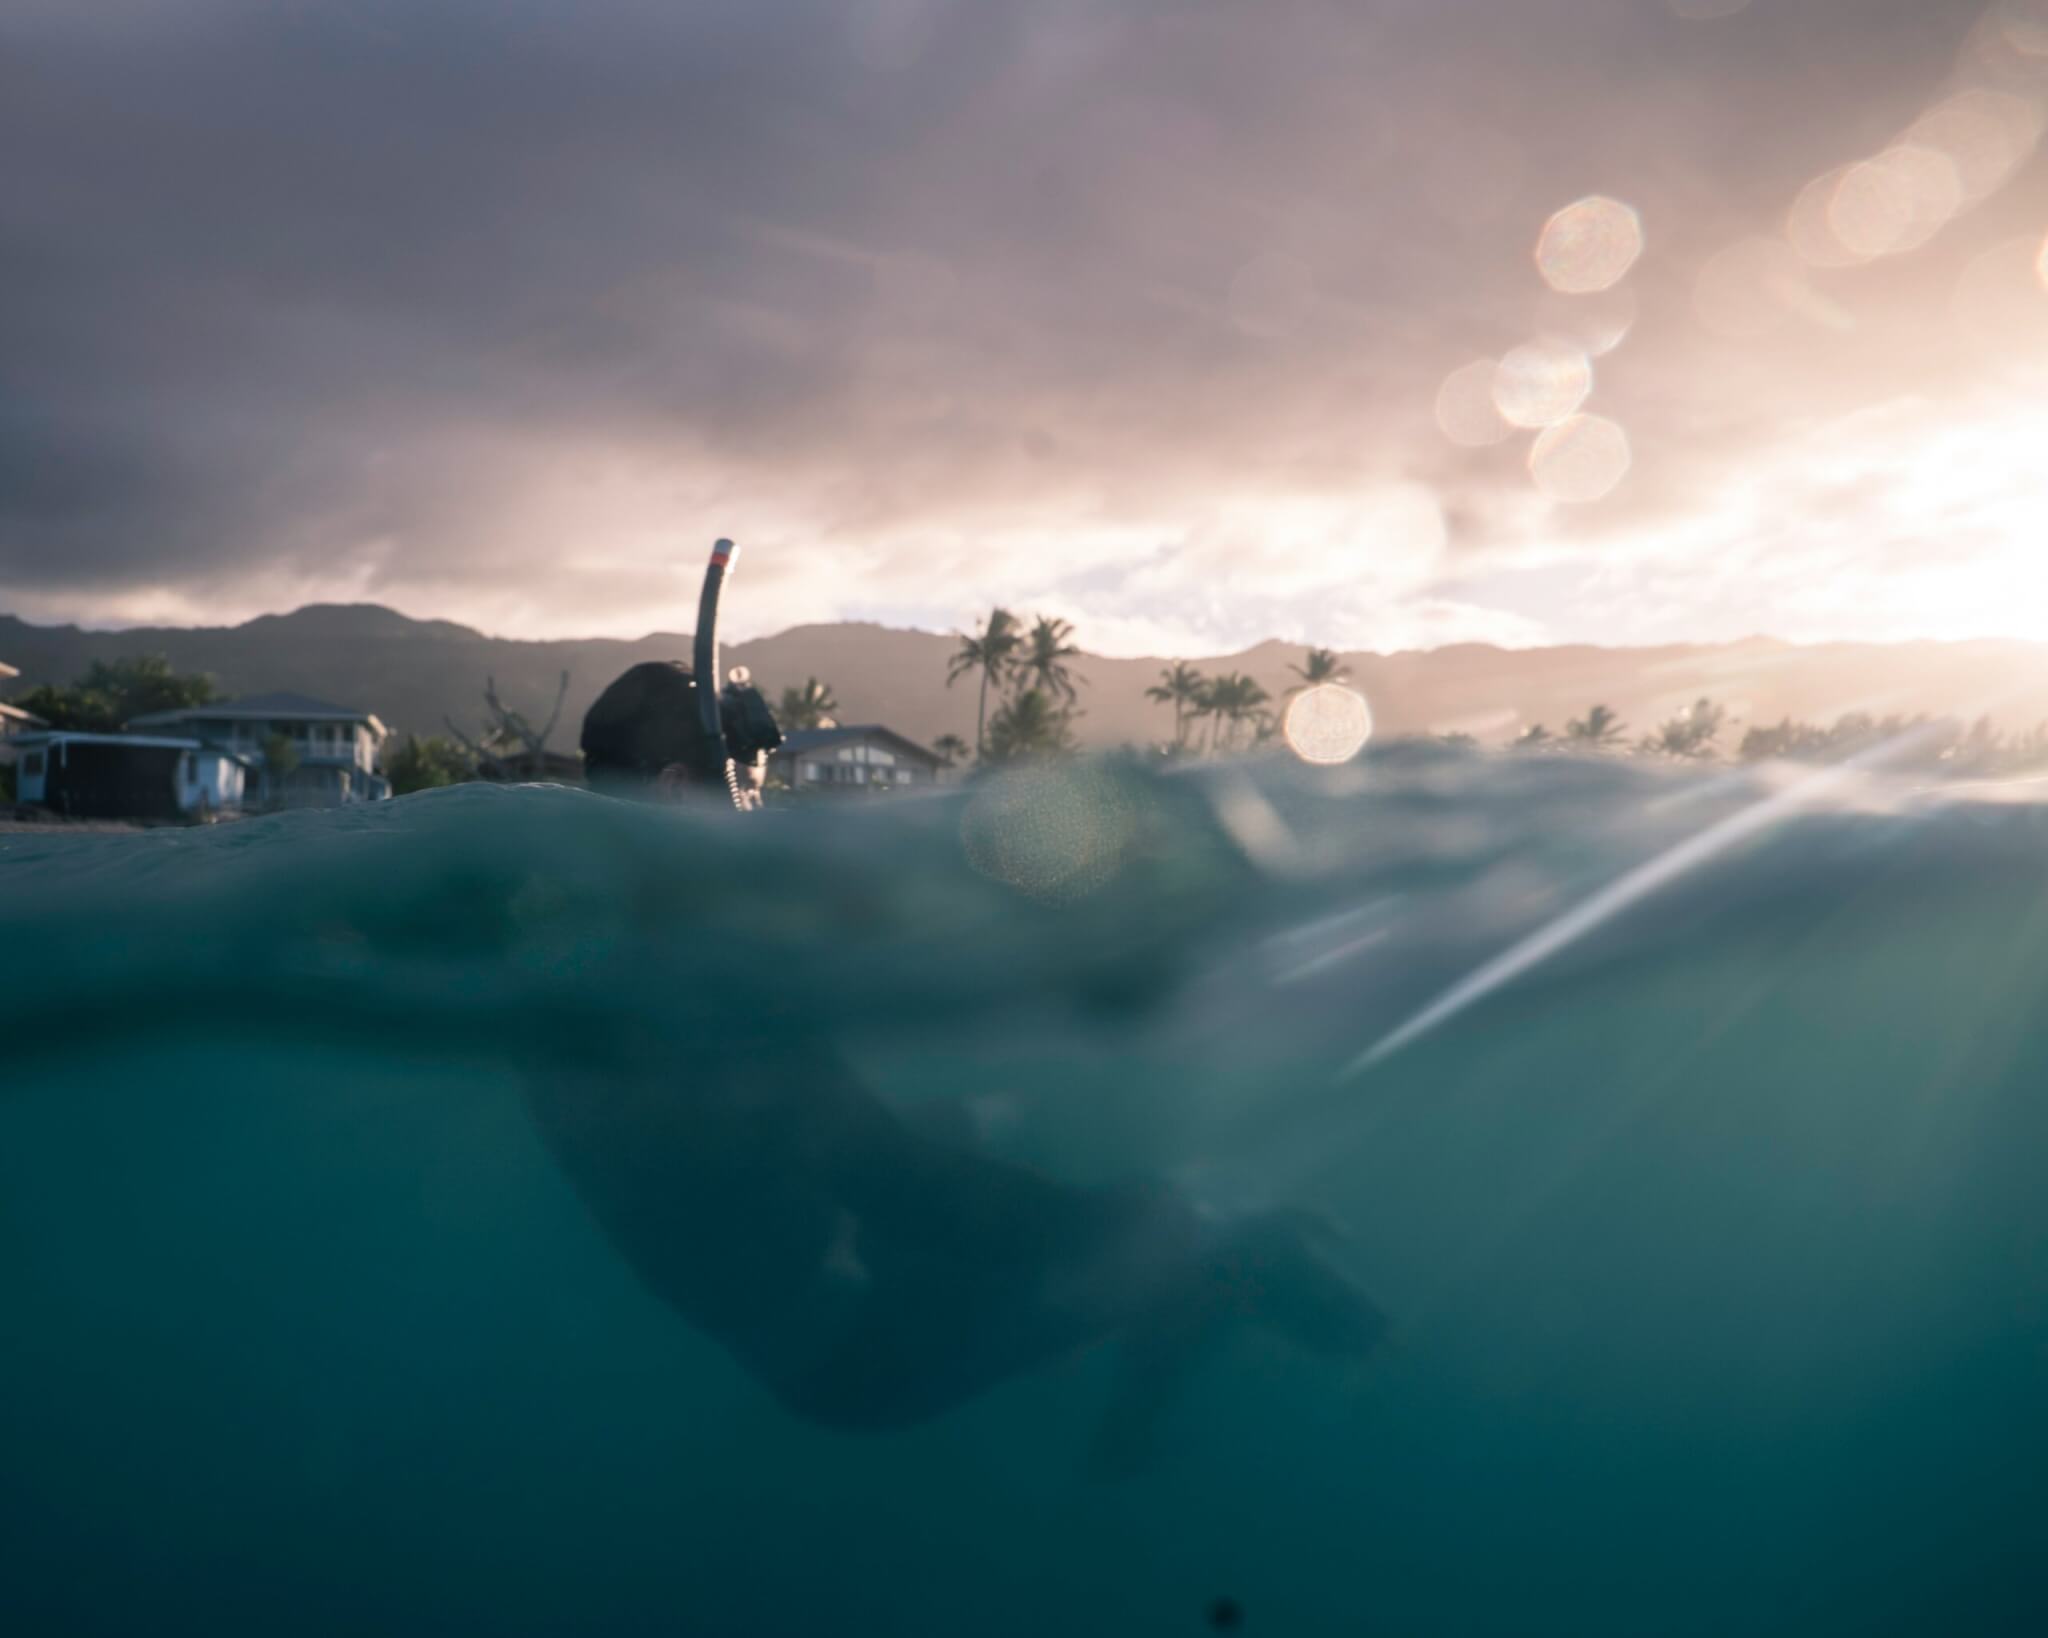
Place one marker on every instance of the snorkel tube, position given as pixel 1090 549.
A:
pixel 706 663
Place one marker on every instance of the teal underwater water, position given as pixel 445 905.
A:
pixel 1703 1167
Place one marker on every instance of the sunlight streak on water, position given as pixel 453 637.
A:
pixel 1626 892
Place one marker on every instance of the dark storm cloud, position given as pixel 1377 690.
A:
pixel 292 285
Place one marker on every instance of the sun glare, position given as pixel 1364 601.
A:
pixel 1327 724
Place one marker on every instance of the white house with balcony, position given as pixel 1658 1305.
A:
pixel 334 747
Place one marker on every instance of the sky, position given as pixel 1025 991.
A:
pixel 1380 325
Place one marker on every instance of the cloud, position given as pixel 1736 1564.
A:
pixel 501 310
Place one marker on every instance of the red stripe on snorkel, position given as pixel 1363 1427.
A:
pixel 722 553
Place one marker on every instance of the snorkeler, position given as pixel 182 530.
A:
pixel 868 1275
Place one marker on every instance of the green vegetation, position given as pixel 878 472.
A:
pixel 427 764
pixel 811 706
pixel 1038 718
pixel 1937 747
pixel 113 693
pixel 1689 735
pixel 1321 666
pixel 1029 727
pixel 1235 706
pixel 1598 730
pixel 951 747
pixel 1180 685
pixel 280 762
pixel 1921 744
pixel 1043 661
pixel 991 655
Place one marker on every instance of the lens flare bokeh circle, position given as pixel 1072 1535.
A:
pixel 1579 460
pixel 1465 410
pixel 1541 383
pixel 1327 724
pixel 1589 245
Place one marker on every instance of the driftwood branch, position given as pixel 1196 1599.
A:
pixel 508 725
pixel 475 750
pixel 554 716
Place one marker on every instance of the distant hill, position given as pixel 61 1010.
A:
pixel 413 673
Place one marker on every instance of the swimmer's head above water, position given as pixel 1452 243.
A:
pixel 665 730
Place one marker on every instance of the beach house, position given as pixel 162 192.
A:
pixel 126 776
pixel 867 758
pixel 325 754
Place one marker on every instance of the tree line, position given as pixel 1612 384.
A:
pixel 1025 672
pixel 1236 709
pixel 1917 743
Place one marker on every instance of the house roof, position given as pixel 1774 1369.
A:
pixel 65 736
pixel 800 740
pixel 7 670
pixel 282 703
pixel 15 714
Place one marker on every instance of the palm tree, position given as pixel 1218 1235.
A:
pixel 993 653
pixel 1323 667
pixel 1249 705
pixel 1597 730
pixel 1180 685
pixel 1029 725
pixel 811 706
pixel 1689 734
pixel 1535 737
pixel 1231 699
pixel 1043 662
pixel 952 747
pixel 1206 705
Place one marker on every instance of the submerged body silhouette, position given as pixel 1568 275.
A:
pixel 873 1277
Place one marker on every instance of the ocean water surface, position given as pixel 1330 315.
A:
pixel 1692 1128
